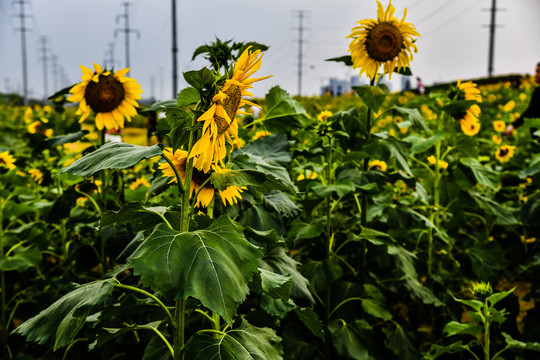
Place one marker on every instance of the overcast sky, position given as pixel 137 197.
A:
pixel 454 42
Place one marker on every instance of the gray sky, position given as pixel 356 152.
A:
pixel 453 44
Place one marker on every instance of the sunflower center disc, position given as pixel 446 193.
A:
pixel 503 152
pixel 230 104
pixel 384 42
pixel 106 95
pixel 199 177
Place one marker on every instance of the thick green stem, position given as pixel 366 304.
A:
pixel 486 330
pixel 3 309
pixel 180 321
pixel 329 239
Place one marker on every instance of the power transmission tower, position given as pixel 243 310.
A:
pixel 44 58
pixel 492 26
pixel 109 61
pixel 23 29
pixel 174 52
pixel 54 65
pixel 126 30
pixel 301 28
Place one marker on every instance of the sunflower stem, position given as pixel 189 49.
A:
pixel 329 238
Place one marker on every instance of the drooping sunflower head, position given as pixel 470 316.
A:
pixel 111 95
pixel 385 41
pixel 220 119
pixel 468 118
pixel 505 153
pixel 7 160
pixel 199 179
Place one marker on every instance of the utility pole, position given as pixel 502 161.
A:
pixel 126 30
pixel 54 60
pixel 300 49
pixel 492 26
pixel 43 50
pixel 174 52
pixel 23 29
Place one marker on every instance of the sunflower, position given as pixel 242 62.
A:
pixel 112 96
pixel 7 160
pixel 499 125
pixel 220 119
pixel 468 119
pixel 229 195
pixel 442 164
pixel 138 183
pixel 505 153
pixel 377 165
pixel 260 134
pixel 37 175
pixel 38 127
pixel 385 41
pixel 325 114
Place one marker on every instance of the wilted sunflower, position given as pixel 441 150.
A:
pixel 385 41
pixel 220 120
pixel 229 195
pixel 112 96
pixel 470 125
pixel 505 153
pixel 7 160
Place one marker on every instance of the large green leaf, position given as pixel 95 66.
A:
pixel 351 339
pixel 21 259
pixel 456 328
pixel 372 96
pixel 421 144
pixel 483 174
pixel 373 302
pixel 213 265
pixel 276 285
pixel 309 318
pixel 399 343
pixel 278 201
pixel 277 176
pixel 516 344
pixel 530 213
pixel 284 113
pixel 111 156
pixel 274 149
pixel 133 213
pixel 277 261
pixel 202 80
pixel 187 96
pixel 246 342
pixel 503 214
pixel 63 319
pixel 391 148
pixel 414 116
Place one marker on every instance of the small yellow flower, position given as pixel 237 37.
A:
pixel 377 165
pixel 403 130
pixel 402 100
pixel 523 97
pixel 381 123
pixel 496 139
pixel 499 125
pixel 509 106
pixel 37 175
pixel 260 134
pixel 505 153
pixel 325 114
pixel 138 183
pixel 398 119
pixel 7 160
pixel 308 175
pixel 37 127
pixel 442 164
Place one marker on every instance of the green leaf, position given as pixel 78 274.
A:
pixel 516 344
pixel 437 350
pixel 347 60
pixel 202 80
pixel 133 213
pixel 156 350
pixel 246 343
pixel 372 96
pixel 530 213
pixel 341 188
pixel 309 318
pixel 351 339
pixel 391 148
pixel 322 273
pixel 421 144
pixel 483 174
pixel 414 116
pixel 281 203
pixel 21 259
pixel 455 328
pixel 274 149
pixel 159 106
pixel 284 113
pixel 276 285
pixel 503 214
pixel 63 319
pixel 398 342
pixel 111 156
pixel 277 261
pixel 223 179
pixel 498 296
pixel 187 97
pixel 212 265
pixel 58 140
pixel 277 176
pixel 373 303
pixel 475 304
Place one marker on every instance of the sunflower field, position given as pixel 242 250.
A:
pixel 373 225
